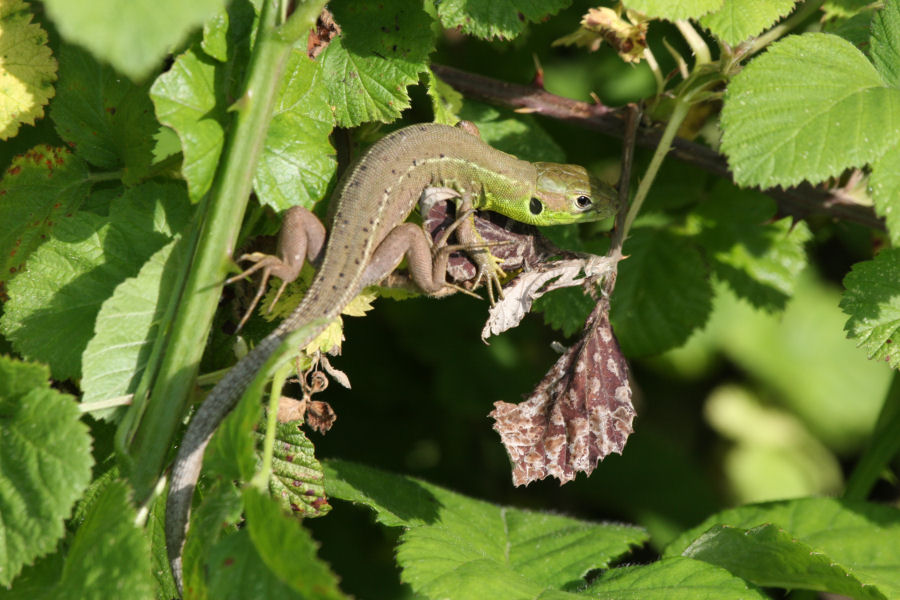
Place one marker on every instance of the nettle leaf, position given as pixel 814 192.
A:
pixel 54 304
pixel 446 102
pixel 738 20
pixel 885 43
pixel 807 109
pixel 673 578
pixel 504 19
pixel 109 555
pixel 297 161
pixel 859 537
pixel 45 464
pixel 382 49
pixel 28 69
pixel 675 9
pixel 188 99
pixel 760 260
pixel 872 300
pixel 297 479
pixel 287 549
pixel 456 545
pixel 769 557
pixel 145 30
pixel 662 292
pixel 885 184
pixel 106 118
pixel 125 330
pixel 41 187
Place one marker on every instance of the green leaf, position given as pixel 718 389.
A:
pixel 45 464
pixel 872 301
pixel 885 185
pixel 156 533
pixel 28 69
pixel 297 162
pixel 287 549
pixel 40 188
pixel 738 20
pixel 297 478
pixel 565 309
pixel 217 514
pixel 504 19
pixel 189 100
pixel 106 118
pixel 383 48
pixel 455 544
pixel 885 43
pixel 662 293
pixel 445 101
pixel 237 572
pixel 862 538
pixel 144 32
pixel 673 578
pixel 807 109
pixel 770 557
pixel 54 304
pixel 518 135
pixel 758 258
pixel 125 331
pixel 675 9
pixel 109 554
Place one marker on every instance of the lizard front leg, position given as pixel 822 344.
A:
pixel 488 265
pixel 302 237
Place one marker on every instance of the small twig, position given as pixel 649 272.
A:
pixel 801 201
pixel 807 9
pixel 695 41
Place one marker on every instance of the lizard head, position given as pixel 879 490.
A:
pixel 567 194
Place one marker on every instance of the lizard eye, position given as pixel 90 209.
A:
pixel 583 202
pixel 536 206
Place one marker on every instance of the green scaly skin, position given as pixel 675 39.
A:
pixel 368 239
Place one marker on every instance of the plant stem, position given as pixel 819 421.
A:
pixel 885 444
pixel 695 41
pixel 261 478
pixel 679 112
pixel 144 437
pixel 785 26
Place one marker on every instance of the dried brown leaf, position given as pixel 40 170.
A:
pixel 578 414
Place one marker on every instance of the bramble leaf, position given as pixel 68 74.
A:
pixel 104 117
pixel 872 300
pixel 885 43
pixel 807 109
pixel 673 578
pixel 504 19
pixel 760 260
pixel 456 545
pixel 54 304
pixel 40 188
pixel 144 32
pixel 662 292
pixel 296 480
pixel 383 48
pixel 45 464
pixel 738 20
pixel 297 161
pixel 27 71
pixel 675 9
pixel 860 537
pixel 109 553
pixel 885 184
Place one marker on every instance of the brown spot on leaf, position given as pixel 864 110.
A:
pixel 578 414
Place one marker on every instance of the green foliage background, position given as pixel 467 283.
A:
pixel 732 316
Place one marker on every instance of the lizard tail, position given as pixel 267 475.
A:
pixel 186 468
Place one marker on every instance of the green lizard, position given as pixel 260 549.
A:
pixel 369 238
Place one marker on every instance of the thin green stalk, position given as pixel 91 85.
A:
pixel 680 111
pixel 803 13
pixel 885 445
pixel 145 436
pixel 261 479
pixel 695 41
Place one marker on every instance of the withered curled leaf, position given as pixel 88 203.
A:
pixel 578 414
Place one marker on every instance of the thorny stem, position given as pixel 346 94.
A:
pixel 695 41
